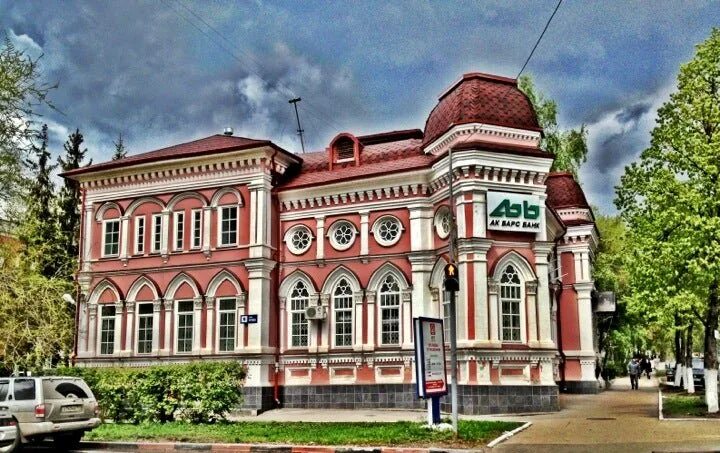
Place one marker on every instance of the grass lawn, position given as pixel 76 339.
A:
pixel 471 433
pixel 684 405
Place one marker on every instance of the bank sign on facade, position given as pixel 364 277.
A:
pixel 513 212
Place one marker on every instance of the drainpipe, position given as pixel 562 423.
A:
pixel 78 295
pixel 276 272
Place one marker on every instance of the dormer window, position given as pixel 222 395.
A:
pixel 345 149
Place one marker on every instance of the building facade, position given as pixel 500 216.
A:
pixel 334 252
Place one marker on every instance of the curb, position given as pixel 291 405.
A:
pixel 509 434
pixel 162 447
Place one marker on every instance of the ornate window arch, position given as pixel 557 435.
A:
pixel 147 323
pixel 227 217
pixel 187 314
pixel 297 292
pixel 512 274
pixel 343 290
pixel 227 307
pixel 105 338
pixel 389 288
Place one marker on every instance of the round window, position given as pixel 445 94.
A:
pixel 443 222
pixel 387 230
pixel 342 235
pixel 298 239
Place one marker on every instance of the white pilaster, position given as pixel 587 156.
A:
pixel 364 232
pixel 542 250
pixel 422 266
pixel 585 326
pixel 165 232
pixel 82 332
pixel 124 227
pixel 370 343
pixel 421 228
pixel 531 302
pixel 93 329
pixel 494 312
pixel 168 316
pixel 210 326
pixel 87 237
pixel 206 226
pixel 406 320
pixel 157 305
pixel 259 303
pixel 325 335
pixel 358 320
pixel 320 237
pixel 197 325
pixel 479 215
pixel 118 328
pixel 241 310
pixel 129 328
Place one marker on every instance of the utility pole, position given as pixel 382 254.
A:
pixel 451 293
pixel 297 117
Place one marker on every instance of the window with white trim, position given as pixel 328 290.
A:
pixel 157 233
pixel 298 239
pixel 226 324
pixel 196 235
pixel 111 237
pixel 140 235
pixel 389 296
pixel 145 328
pixel 107 329
pixel 228 225
pixel 343 313
pixel 443 222
pixel 179 230
pixel 510 302
pixel 387 230
pixel 342 235
pixel 299 298
pixel 184 319
pixel 445 301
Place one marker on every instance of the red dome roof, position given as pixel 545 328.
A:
pixel 564 192
pixel 481 98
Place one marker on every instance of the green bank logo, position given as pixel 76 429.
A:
pixel 513 212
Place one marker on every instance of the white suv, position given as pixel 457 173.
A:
pixel 59 407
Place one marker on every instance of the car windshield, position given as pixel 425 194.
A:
pixel 698 363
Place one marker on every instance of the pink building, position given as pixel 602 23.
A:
pixel 334 253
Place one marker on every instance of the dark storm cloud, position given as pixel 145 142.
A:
pixel 633 113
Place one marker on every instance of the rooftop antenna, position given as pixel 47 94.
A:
pixel 299 129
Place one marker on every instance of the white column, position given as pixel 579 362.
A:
pixel 283 324
pixel 118 328
pixel 320 237
pixel 82 332
pixel 129 327
pixel 197 324
pixel 253 215
pixel 422 265
pixel 364 232
pixel 545 324
pixel 479 215
pixel 494 313
pixel 460 215
pixel 312 343
pixel 124 227
pixel 585 326
pixel 531 302
pixel 462 301
pixel 542 234
pixel 370 344
pixel 92 331
pixel 210 326
pixel 169 313
pixel 406 321
pixel 358 320
pixel 206 228
pixel 241 305
pixel 324 325
pixel 87 237
pixel 421 228
pixel 157 305
pixel 259 303
pixel 482 325
pixel 164 237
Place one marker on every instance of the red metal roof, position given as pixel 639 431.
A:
pixel 481 98
pixel 564 192
pixel 208 145
pixel 375 159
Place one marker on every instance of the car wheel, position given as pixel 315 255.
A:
pixel 15 445
pixel 67 441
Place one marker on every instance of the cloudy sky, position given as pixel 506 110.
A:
pixel 161 72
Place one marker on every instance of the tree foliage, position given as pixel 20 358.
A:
pixel 120 151
pixel 670 200
pixel 22 93
pixel 570 146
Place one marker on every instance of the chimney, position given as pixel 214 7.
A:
pixel 228 131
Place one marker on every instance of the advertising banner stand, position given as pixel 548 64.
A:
pixel 431 380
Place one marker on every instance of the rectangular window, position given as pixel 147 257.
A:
pixel 157 233
pixel 390 316
pixel 24 389
pixel 111 237
pixel 342 302
pixel 226 326
pixel 145 328
pixel 298 322
pixel 107 329
pixel 510 298
pixel 196 228
pixel 185 318
pixel 179 230
pixel 139 235
pixel 446 315
pixel 228 225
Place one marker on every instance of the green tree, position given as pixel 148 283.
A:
pixel 22 93
pixel 39 230
pixel 70 196
pixel 670 199
pixel 570 146
pixel 120 151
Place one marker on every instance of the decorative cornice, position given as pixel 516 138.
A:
pixel 485 132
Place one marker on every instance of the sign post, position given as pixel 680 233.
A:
pixel 451 287
pixel 431 380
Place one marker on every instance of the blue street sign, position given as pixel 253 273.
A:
pixel 248 319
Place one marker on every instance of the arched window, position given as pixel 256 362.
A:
pixel 342 305
pixel 299 297
pixel 389 311
pixel 510 303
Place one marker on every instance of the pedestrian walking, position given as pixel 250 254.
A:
pixel 633 369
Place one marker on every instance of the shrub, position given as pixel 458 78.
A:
pixel 201 392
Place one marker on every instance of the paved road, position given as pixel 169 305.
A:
pixel 617 420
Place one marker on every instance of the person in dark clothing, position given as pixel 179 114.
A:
pixel 648 368
pixel 633 369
